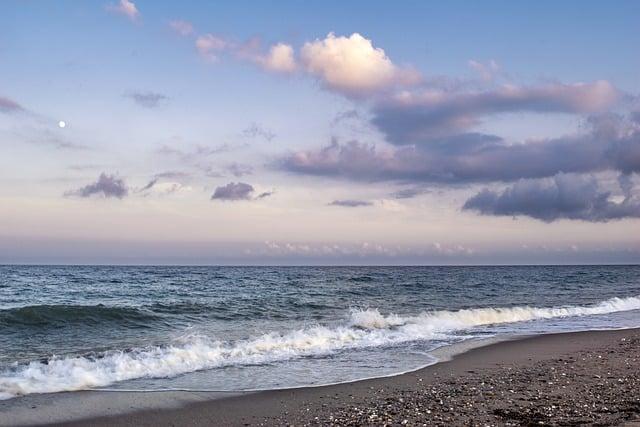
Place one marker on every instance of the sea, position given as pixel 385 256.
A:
pixel 235 329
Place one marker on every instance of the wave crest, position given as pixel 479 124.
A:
pixel 366 328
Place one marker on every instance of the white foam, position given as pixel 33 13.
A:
pixel 366 328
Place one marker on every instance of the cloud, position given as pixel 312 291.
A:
pixel 233 191
pixel 608 142
pixel 265 194
pixel 149 185
pixel 346 115
pixel 255 130
pixel 486 71
pixel 107 186
pixel 173 175
pixel 409 193
pixel 561 197
pixel 349 203
pixel 413 118
pixel 209 46
pixel 147 99
pixel 196 152
pixel 126 8
pixel 9 106
pixel 280 58
pixel 238 170
pixel 353 66
pixel 59 143
pixel 165 187
pixel 183 28
pixel 238 191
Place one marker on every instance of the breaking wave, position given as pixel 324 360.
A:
pixel 364 329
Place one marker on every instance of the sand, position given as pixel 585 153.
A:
pixel 581 378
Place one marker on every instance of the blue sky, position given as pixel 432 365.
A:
pixel 295 132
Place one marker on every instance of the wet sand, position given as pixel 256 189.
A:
pixel 582 378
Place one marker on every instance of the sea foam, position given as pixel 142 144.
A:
pixel 364 329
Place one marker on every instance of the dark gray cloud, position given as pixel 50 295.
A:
pixel 9 106
pixel 149 185
pixel 147 99
pixel 560 197
pixel 238 191
pixel 255 130
pixel 233 191
pixel 420 117
pixel 350 203
pixel 409 193
pixel 608 142
pixel 265 194
pixel 106 186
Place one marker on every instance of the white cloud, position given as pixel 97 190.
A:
pixel 126 8
pixel 184 28
pixel 281 58
pixel 352 65
pixel 209 45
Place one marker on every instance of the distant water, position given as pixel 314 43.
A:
pixel 243 328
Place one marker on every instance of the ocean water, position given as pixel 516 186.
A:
pixel 68 328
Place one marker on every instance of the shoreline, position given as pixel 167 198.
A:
pixel 326 404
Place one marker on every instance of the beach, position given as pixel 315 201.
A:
pixel 578 378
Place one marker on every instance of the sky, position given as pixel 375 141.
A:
pixel 361 132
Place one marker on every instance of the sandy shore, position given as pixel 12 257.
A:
pixel 582 378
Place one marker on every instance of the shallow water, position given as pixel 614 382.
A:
pixel 238 328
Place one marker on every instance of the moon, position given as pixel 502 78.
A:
pixel 62 124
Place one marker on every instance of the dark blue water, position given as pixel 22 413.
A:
pixel 236 328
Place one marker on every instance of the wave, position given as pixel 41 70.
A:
pixel 60 315
pixel 365 328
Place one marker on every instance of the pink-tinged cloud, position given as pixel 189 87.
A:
pixel 353 66
pixel 420 116
pixel 126 8
pixel 488 71
pixel 280 58
pixel 209 46
pixel 9 106
pixel 609 143
pixel 183 28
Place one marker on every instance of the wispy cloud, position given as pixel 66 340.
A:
pixel 181 27
pixel 239 170
pixel 126 8
pixel 210 46
pixel 350 203
pixel 9 106
pixel 487 71
pixel 255 130
pixel 147 99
